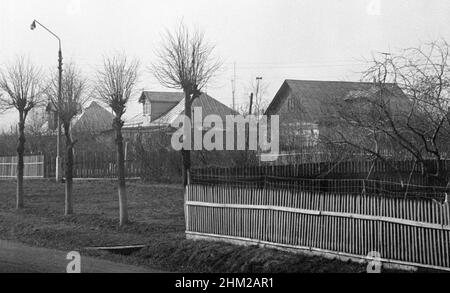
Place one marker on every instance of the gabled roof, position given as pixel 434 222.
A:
pixel 168 97
pixel 317 98
pixel 94 118
pixel 208 104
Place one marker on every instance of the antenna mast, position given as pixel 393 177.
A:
pixel 233 86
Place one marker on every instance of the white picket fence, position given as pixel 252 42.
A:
pixel 403 231
pixel 33 167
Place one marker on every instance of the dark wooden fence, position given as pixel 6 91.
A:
pixel 93 165
pixel 398 178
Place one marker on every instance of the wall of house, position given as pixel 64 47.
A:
pixel 295 131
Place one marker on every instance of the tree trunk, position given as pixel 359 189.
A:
pixel 69 171
pixel 187 153
pixel 118 124
pixel 20 163
pixel 435 173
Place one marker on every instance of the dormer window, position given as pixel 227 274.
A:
pixel 147 108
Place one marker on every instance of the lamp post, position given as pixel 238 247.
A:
pixel 58 136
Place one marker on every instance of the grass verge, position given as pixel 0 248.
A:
pixel 157 220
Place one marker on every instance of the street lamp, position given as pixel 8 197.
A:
pixel 58 166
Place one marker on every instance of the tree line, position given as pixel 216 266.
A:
pixel 184 61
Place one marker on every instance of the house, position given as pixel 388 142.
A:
pixel 160 109
pixel 156 104
pixel 94 119
pixel 308 108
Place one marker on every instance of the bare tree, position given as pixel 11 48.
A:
pixel 405 112
pixel 185 62
pixel 73 87
pixel 36 121
pixel 116 82
pixel 22 87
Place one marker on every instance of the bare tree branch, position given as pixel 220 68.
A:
pixel 418 120
pixel 22 87
pixel 185 61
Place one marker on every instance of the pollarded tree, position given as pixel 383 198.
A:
pixel 22 90
pixel 115 84
pixel 73 87
pixel 185 62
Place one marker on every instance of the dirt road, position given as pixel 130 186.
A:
pixel 19 258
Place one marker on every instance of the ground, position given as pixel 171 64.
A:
pixel 157 220
pixel 20 258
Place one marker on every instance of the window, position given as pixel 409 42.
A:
pixel 147 108
pixel 308 133
pixel 293 105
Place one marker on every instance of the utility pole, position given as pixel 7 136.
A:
pixel 233 85
pixel 257 102
pixel 247 126
pixel 251 104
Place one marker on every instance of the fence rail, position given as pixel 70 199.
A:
pixel 404 231
pixel 33 167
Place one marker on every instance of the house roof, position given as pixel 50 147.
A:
pixel 208 104
pixel 318 98
pixel 94 118
pixel 169 97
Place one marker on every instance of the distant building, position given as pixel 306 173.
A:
pixel 307 109
pixel 160 109
pixel 94 119
pixel 156 104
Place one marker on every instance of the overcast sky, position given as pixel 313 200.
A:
pixel 275 39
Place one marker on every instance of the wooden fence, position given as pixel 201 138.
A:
pixel 93 165
pixel 336 170
pixel 33 167
pixel 398 178
pixel 403 231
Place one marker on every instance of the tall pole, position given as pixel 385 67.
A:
pixel 58 135
pixel 251 104
pixel 257 102
pixel 247 126
pixel 233 85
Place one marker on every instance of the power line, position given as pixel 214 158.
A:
pixel 297 66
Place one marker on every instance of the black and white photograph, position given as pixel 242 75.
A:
pixel 224 143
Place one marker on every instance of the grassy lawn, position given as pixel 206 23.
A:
pixel 156 212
